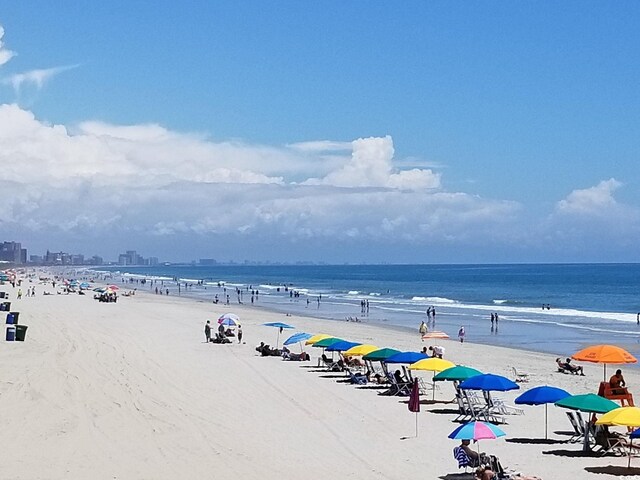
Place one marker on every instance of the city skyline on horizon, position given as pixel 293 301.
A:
pixel 334 133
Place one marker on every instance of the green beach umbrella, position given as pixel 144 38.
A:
pixel 458 373
pixel 381 354
pixel 327 342
pixel 588 402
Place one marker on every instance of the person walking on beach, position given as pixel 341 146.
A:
pixel 239 333
pixel 207 331
pixel 461 334
pixel 493 319
pixel 422 329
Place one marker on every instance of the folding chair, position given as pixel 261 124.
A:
pixel 520 376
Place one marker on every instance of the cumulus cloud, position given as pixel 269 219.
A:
pixel 5 54
pixel 141 181
pixel 597 200
pixel 371 165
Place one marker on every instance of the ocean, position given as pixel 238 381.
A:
pixel 588 303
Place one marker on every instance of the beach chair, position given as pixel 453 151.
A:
pixel 356 379
pixel 578 427
pixel 520 376
pixel 499 405
pixel 396 388
pixel 464 461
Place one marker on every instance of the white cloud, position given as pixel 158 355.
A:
pixel 371 165
pixel 137 181
pixel 597 200
pixel 5 54
pixel 36 78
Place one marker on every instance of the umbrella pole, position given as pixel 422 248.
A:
pixel 545 422
pixel 433 387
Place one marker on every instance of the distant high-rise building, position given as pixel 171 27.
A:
pixel 152 261
pixel 12 252
pixel 207 261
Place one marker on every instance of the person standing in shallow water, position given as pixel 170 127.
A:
pixel 461 334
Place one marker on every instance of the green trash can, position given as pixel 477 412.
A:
pixel 21 332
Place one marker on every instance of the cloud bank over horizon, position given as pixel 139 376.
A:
pixel 148 184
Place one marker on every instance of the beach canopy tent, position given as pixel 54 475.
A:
pixel 360 350
pixel 381 354
pixel 342 346
pixel 457 374
pixel 280 326
pixel 317 338
pixel 489 382
pixel 605 354
pixel 626 417
pixel 543 395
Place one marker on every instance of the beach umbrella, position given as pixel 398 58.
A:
pixel 229 317
pixel 297 338
pixel 457 373
pixel 489 382
pixel 434 365
pixel 317 338
pixel 624 416
pixel 476 431
pixel 380 355
pixel 406 357
pixel 543 395
pixel 360 350
pixel 414 401
pixel 341 346
pixel 588 402
pixel 113 287
pixel 327 342
pixel 280 326
pixel 604 354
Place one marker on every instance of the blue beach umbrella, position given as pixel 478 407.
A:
pixel 342 346
pixel 280 326
pixel 543 395
pixel 406 357
pixel 297 338
pixel 489 382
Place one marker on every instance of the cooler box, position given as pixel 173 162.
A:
pixel 11 334
pixel 10 319
pixel 16 315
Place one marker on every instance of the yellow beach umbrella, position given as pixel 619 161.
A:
pixel 316 338
pixel 360 350
pixel 623 416
pixel 433 364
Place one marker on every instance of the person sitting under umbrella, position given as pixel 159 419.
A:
pixel 481 459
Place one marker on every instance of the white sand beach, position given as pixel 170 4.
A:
pixel 130 390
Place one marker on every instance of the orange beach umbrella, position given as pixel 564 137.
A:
pixel 604 354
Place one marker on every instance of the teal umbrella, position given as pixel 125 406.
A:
pixel 588 402
pixel 379 355
pixel 458 373
pixel 327 342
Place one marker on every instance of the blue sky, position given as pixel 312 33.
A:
pixel 491 131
